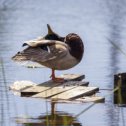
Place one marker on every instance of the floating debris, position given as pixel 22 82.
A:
pixel 21 85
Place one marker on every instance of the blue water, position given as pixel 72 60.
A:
pixel 98 23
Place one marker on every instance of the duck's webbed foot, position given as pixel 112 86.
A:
pixel 56 79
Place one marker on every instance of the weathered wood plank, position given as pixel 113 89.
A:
pixel 73 77
pixel 21 85
pixel 86 99
pixel 69 94
pixel 52 92
pixel 49 85
pixel 76 93
pixel 71 90
pixel 35 89
pixel 56 90
pixel 96 99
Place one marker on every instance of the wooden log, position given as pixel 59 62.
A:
pixel 76 93
pixel 120 94
pixel 49 86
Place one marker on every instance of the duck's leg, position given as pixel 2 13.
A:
pixel 56 79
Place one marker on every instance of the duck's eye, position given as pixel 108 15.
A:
pixel 45 47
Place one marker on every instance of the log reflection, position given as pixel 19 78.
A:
pixel 54 118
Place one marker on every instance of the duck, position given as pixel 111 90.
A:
pixel 53 51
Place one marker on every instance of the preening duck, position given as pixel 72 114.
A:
pixel 53 51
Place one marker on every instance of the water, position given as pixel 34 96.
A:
pixel 97 22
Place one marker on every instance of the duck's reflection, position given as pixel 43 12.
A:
pixel 54 118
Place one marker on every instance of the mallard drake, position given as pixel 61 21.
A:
pixel 53 51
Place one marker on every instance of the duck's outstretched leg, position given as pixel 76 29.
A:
pixel 56 79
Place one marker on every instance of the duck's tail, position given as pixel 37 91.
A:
pixel 19 57
pixel 31 54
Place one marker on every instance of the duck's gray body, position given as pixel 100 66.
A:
pixel 54 54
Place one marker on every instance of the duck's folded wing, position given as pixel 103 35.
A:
pixel 42 51
pixel 40 42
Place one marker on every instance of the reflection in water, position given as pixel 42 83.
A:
pixel 117 10
pixel 55 118
pixel 4 96
pixel 58 119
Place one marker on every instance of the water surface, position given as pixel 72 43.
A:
pixel 97 22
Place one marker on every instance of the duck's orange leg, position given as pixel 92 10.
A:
pixel 56 79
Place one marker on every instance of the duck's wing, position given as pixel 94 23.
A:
pixel 42 51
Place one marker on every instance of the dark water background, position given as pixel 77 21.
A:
pixel 98 22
